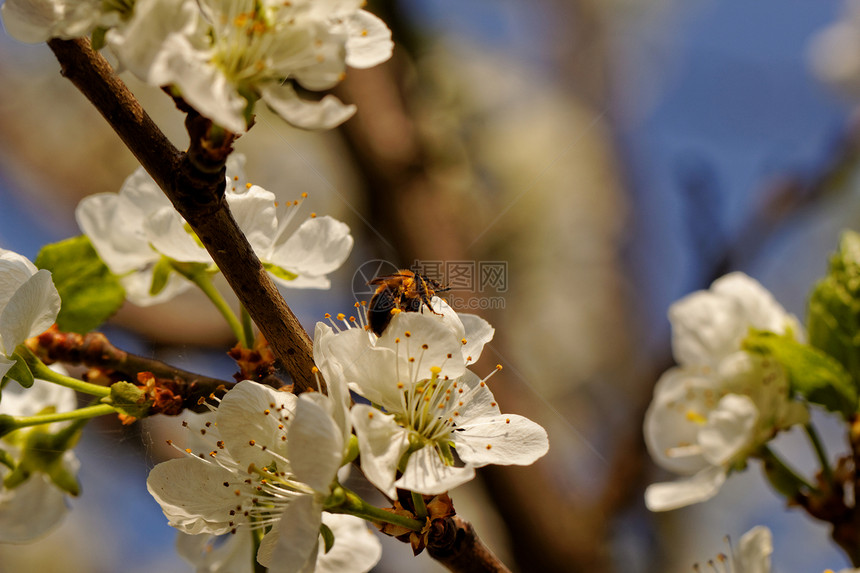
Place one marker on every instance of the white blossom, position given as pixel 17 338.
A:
pixel 223 56
pixel 355 549
pixel 273 461
pixel 34 507
pixel 134 230
pixel 425 401
pixel 34 21
pixel 712 412
pixel 29 304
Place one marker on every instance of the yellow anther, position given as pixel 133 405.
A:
pixel 695 417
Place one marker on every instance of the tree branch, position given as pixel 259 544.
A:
pixel 195 185
pixel 95 350
pixel 454 543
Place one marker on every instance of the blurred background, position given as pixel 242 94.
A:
pixel 609 155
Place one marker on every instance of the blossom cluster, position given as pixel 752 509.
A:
pixel 137 231
pixel 222 56
pixel 721 403
pixel 273 460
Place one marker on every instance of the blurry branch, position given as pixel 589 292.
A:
pixel 194 183
pixel 94 350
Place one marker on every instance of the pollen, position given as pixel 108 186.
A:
pixel 463 340
pixel 370 415
pixel 341 316
pixel 396 341
pixel 237 492
pixel 248 185
pixel 489 446
pixel 395 311
pixel 695 417
pixel 493 404
pixel 400 385
pixel 266 412
pixel 498 366
pixel 407 334
pixel 424 346
pixel 327 315
pixel 252 442
pixel 364 32
pixel 507 420
pixel 449 355
pixel 304 195
pixel 235 178
pixel 314 369
pixel 313 215
pixel 188 451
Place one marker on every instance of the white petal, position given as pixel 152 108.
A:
pixel 695 489
pixel 369 42
pixel 245 426
pixel 478 333
pixel 15 270
pixel 155 41
pixel 369 370
pixel 114 225
pixel 319 246
pixel 254 211
pixel 759 308
pixel 139 284
pixel 327 113
pixel 681 403
pixel 314 443
pixel 729 429
pixel 31 310
pixel 502 440
pixel 229 553
pixel 425 473
pixel 338 391
pixel 30 21
pixel 169 235
pixel 356 549
pixel 424 330
pixel 298 538
pixel 18 401
pixel 30 510
pixel 193 496
pixel 381 442
pixel 755 549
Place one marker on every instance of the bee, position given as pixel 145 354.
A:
pixel 404 290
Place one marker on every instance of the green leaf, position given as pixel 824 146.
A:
pixel 19 372
pixel 89 291
pixel 833 320
pixel 812 373
pixel 328 536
